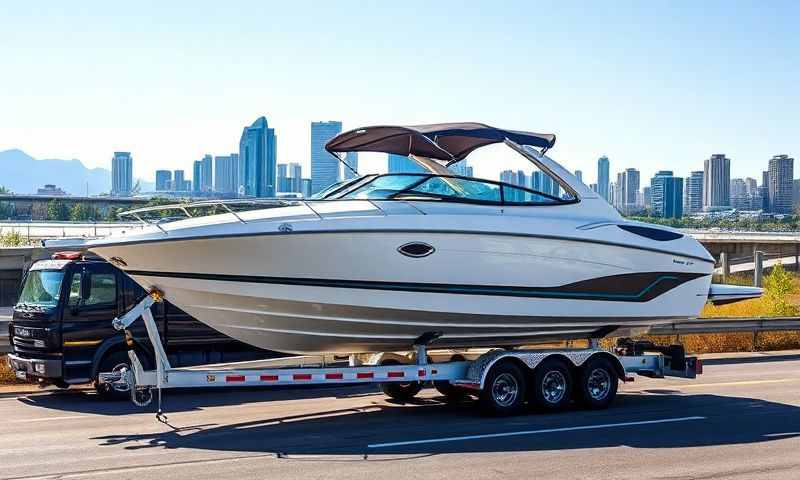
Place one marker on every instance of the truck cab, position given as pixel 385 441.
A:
pixel 61 330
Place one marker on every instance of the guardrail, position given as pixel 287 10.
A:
pixel 704 325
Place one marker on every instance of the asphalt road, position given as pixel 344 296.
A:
pixel 741 419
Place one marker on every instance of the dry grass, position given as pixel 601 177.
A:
pixel 7 376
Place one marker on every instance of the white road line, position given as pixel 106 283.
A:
pixel 46 419
pixel 533 432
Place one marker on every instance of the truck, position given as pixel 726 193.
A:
pixel 61 329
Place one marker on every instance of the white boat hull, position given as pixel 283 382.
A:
pixel 352 291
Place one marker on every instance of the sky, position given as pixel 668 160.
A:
pixel 652 85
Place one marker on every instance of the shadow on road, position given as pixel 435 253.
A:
pixel 755 358
pixel 189 399
pixel 729 420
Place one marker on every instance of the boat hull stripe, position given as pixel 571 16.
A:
pixel 632 287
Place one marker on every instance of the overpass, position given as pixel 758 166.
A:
pixel 784 245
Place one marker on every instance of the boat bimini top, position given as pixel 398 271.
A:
pixel 447 142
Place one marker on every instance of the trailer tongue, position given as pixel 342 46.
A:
pixel 503 380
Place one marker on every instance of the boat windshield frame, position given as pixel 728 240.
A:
pixel 407 193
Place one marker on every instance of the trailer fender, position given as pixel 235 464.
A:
pixel 476 374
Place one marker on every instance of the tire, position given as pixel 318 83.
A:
pixel 114 361
pixel 597 383
pixel 551 389
pixel 504 390
pixel 398 390
pixel 452 394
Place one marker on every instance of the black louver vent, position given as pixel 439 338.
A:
pixel 651 233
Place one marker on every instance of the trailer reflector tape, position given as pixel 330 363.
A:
pixel 334 376
pixel 269 378
pixel 365 375
pixel 234 378
pixel 395 375
pixel 301 376
pixel 421 373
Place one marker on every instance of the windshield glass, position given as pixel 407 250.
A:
pixel 42 287
pixel 336 186
pixel 385 186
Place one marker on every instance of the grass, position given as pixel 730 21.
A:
pixel 7 376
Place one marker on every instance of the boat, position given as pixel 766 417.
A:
pixel 381 262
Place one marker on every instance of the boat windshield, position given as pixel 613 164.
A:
pixel 444 188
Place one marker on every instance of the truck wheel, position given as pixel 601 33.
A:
pixel 597 383
pixel 112 362
pixel 503 390
pixel 399 390
pixel 552 385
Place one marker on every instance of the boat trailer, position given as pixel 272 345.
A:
pixel 497 376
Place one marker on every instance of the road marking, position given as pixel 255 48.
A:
pixel 534 432
pixel 46 419
pixel 744 382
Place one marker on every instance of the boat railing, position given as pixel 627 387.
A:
pixel 189 209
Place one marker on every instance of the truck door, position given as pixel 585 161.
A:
pixel 86 319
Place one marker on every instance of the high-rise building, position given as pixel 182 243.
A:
pixel 121 174
pixel 694 192
pixel 740 200
pixel 781 174
pixel 206 175
pixel 197 176
pixel 324 166
pixel 626 198
pixel 751 186
pixel 603 179
pixel 763 191
pixel 717 180
pixel 403 164
pixel 579 175
pixel 257 160
pixel 351 159
pixel 544 183
pixel 178 181
pixel 163 180
pixel 647 197
pixel 593 187
pixel 305 188
pixel 283 178
pixel 225 170
pixel 666 191
pixel 796 192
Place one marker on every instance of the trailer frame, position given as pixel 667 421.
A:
pixel 408 368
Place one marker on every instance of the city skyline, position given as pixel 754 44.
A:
pixel 673 113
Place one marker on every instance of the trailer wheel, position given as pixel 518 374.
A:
pixel 552 385
pixel 402 391
pixel 598 383
pixel 452 393
pixel 503 390
pixel 115 361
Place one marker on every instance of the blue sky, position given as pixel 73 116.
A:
pixel 653 85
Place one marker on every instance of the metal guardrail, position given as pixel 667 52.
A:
pixel 729 325
pixel 704 325
pixel 5 346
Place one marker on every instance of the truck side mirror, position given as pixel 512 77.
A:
pixel 86 288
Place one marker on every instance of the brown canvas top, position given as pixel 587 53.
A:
pixel 442 141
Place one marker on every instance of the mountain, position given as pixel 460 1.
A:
pixel 21 173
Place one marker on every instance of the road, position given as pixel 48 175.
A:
pixel 741 419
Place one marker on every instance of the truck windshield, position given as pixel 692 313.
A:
pixel 42 287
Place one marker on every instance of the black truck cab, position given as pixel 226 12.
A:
pixel 61 331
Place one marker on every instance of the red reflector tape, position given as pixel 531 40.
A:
pixel 269 378
pixel 396 375
pixel 365 375
pixel 234 378
pixel 334 376
pixel 302 376
pixel 421 373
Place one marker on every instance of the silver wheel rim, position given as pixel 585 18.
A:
pixel 554 386
pixel 122 388
pixel 505 389
pixel 599 384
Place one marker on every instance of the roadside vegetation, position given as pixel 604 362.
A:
pixel 789 223
pixel 7 376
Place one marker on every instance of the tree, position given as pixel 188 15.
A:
pixel 82 212
pixel 778 286
pixel 12 239
pixel 57 210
